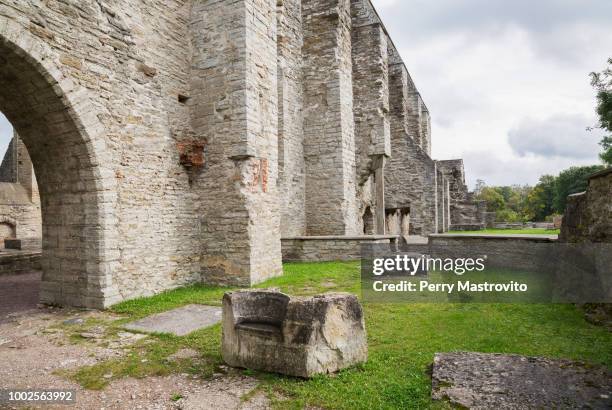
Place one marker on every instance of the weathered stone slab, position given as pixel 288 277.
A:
pixel 179 322
pixel 270 331
pixel 499 381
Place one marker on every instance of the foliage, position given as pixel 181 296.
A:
pixel 508 215
pixel 571 181
pixel 402 339
pixel 525 231
pixel 523 203
pixel 602 82
pixel 495 200
pixel 539 202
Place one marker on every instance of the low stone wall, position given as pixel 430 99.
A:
pixel 19 262
pixel 517 251
pixel 329 248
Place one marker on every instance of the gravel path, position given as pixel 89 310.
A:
pixel 31 354
pixel 18 293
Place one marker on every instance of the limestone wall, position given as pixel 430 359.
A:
pixel 329 248
pixel 105 95
pixel 588 215
pixel 329 131
pixel 290 118
pixel 20 215
pixel 174 141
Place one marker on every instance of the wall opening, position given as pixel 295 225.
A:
pixel 368 222
pixel 56 134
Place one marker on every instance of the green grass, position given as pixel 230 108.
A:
pixel 527 231
pixel 402 341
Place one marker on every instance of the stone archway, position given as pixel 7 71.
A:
pixel 65 141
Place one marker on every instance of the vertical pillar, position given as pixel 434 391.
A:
pixel 290 118
pixel 444 210
pixel 448 207
pixel 436 199
pixel 329 139
pixel 370 96
pixel 234 114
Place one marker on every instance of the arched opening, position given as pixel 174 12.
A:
pixel 52 116
pixel 7 231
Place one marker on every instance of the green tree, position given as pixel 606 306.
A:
pixel 602 82
pixel 571 181
pixel 538 203
pixel 495 200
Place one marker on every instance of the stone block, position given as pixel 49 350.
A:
pixel 297 336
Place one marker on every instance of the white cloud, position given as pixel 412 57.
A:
pixel 485 66
pixel 557 136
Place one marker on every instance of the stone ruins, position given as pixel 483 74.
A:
pixel 177 141
pixel 19 198
pixel 298 336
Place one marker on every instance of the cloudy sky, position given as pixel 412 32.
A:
pixel 506 81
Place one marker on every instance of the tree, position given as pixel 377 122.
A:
pixel 571 181
pixel 602 82
pixel 538 203
pixel 495 200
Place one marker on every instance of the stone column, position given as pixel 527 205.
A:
pixel 425 129
pixel 234 115
pixel 414 117
pixel 371 112
pixel 436 199
pixel 379 182
pixel 329 132
pixel 448 207
pixel 371 96
pixel 290 118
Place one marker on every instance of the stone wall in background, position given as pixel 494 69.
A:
pixel 466 213
pixel 19 198
pixel 588 215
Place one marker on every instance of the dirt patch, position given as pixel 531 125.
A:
pixel 35 350
pixel 18 293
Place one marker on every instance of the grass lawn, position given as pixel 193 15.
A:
pixel 402 341
pixel 529 231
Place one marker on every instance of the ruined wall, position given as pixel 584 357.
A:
pixel 370 108
pixel 291 165
pixel 465 212
pixel 410 181
pixel 139 81
pixel 329 132
pixel 588 215
pixel 20 215
pixel 234 113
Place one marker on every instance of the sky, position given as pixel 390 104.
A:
pixel 506 82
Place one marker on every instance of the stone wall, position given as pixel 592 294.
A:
pixel 16 262
pixel 588 215
pixel 291 167
pixel 174 141
pixel 234 114
pixel 20 215
pixel 329 131
pixel 465 212
pixel 330 248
